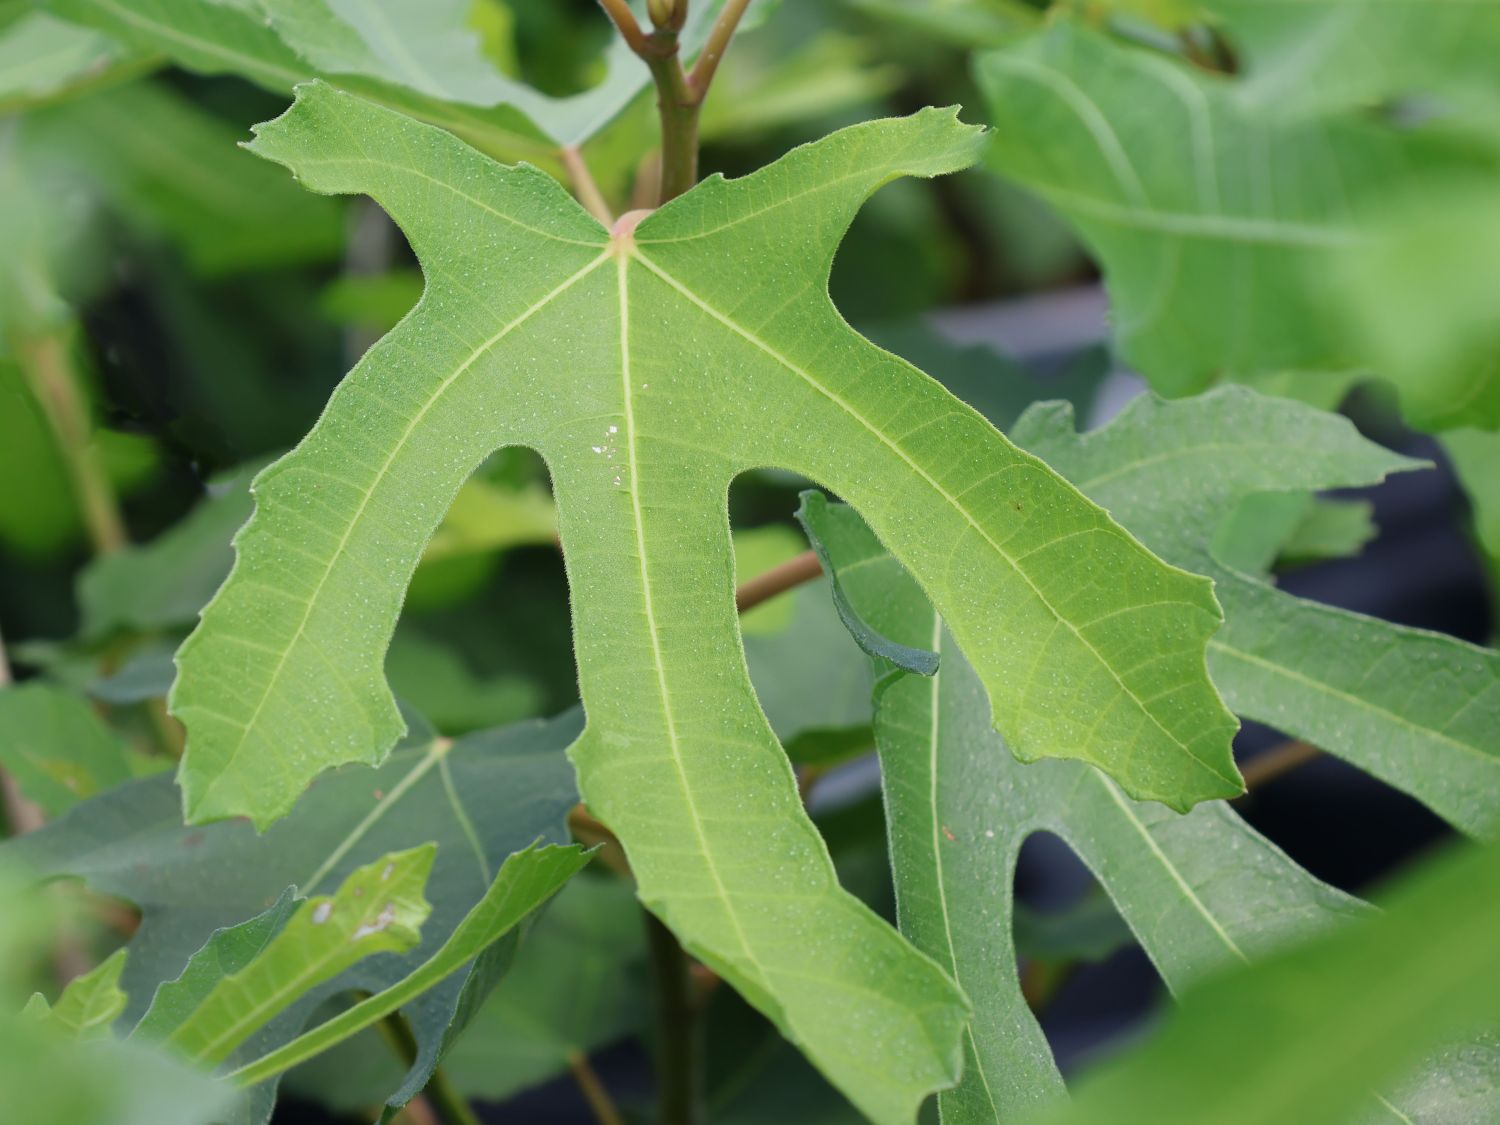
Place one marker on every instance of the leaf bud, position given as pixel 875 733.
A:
pixel 667 14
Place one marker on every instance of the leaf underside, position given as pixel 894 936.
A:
pixel 1203 892
pixel 1088 645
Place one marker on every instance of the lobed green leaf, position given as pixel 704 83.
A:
pixel 525 881
pixel 379 908
pixel 1412 707
pixel 677 757
pixel 1201 892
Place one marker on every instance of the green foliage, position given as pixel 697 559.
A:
pixel 480 799
pixel 174 171
pixel 41 57
pixel 1411 707
pixel 227 953
pixel 1476 457
pixel 56 747
pixel 335 581
pixel 379 908
pixel 88 1005
pixel 526 880
pixel 578 984
pixel 959 817
pixel 577 420
pixel 1304 58
pixel 1225 232
pixel 56 1068
pixel 422 62
pixel 163 584
pixel 1304 1033
pixel 1428 328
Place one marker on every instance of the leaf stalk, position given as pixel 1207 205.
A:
pixel 584 186
pixel 47 365
pixel 718 42
pixel 679 95
pixel 21 815
pixel 679 1038
pixel 447 1103
pixel 600 1103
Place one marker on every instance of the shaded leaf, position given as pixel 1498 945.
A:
pixel 830 73
pixel 1303 1035
pixel 480 799
pixel 378 908
pixel 100 1083
pixel 208 37
pixel 418 56
pixel 1089 930
pixel 578 984
pixel 1290 528
pixel 1475 455
pixel 525 881
pixel 374 301
pixel 41 56
pixel 811 681
pixel 87 1006
pixel 1330 54
pixel 56 747
pixel 436 681
pixel 964 23
pixel 989 381
pixel 174 171
pixel 1414 708
pixel 227 952
pixel 1252 536
pixel 163 584
pixel 1330 529
pixel 485 518
pixel 754 1075
pixel 1420 296
pixel 1218 228
pixel 1200 891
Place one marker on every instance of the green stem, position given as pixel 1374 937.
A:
pixel 584 186
pixel 679 110
pixel 600 1103
pixel 718 42
pixel 679 98
pixel 47 364
pixel 450 1105
pixel 679 1068
pixel 21 816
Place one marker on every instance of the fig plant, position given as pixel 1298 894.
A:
pixel 315 857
